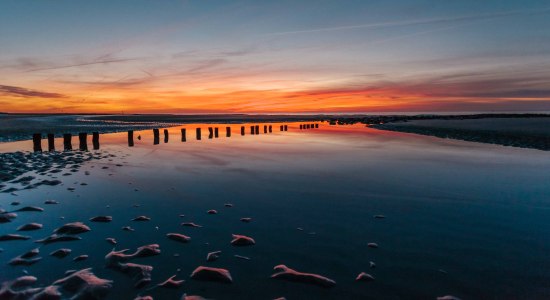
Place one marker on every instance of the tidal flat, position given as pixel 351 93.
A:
pixel 334 212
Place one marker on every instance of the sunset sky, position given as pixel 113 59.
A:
pixel 203 56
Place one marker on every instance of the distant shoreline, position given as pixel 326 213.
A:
pixel 18 127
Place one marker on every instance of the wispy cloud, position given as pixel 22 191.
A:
pixel 27 93
pixel 95 62
pixel 417 22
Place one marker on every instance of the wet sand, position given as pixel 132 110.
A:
pixel 517 132
pixel 330 208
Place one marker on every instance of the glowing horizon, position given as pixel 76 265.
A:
pixel 280 57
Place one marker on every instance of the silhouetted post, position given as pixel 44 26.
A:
pixel 242 130
pixel 252 129
pixel 227 131
pixel 257 129
pixel 286 127
pixel 316 125
pixel 165 135
pixel 198 133
pixel 156 136
pixel 37 142
pixel 51 142
pixel 210 132
pixel 282 128
pixel 130 138
pixel 301 126
pixel 270 129
pixel 95 140
pixel 216 132
pixel 312 126
pixel 307 126
pixel 82 138
pixel 183 135
pixel 67 143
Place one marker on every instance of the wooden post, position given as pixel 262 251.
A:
pixel 51 142
pixel 37 142
pixel 257 129
pixel 156 136
pixel 165 135
pixel 282 128
pixel 183 135
pixel 265 128
pixel 228 131
pixel 252 129
pixel 210 132
pixel 67 144
pixel 316 125
pixel 198 133
pixel 82 138
pixel 301 126
pixel 286 127
pixel 95 140
pixel 242 130
pixel 216 132
pixel 130 138
pixel 270 129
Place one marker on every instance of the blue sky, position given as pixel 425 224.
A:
pixel 429 55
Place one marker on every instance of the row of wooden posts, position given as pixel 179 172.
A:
pixel 212 132
pixel 67 141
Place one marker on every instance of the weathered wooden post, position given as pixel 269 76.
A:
pixel 67 143
pixel 82 138
pixel 156 136
pixel 257 129
pixel 270 129
pixel 210 132
pixel 51 142
pixel 252 129
pixel 242 130
pixel 183 135
pixel 95 140
pixel 282 128
pixel 165 135
pixel 198 133
pixel 37 142
pixel 286 127
pixel 228 131
pixel 130 138
pixel 216 132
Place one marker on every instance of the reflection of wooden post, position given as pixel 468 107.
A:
pixel 252 129
pixel 82 138
pixel 270 129
pixel 183 135
pixel 282 128
pixel 156 136
pixel 130 138
pixel 95 140
pixel 165 135
pixel 37 142
pixel 242 130
pixel 51 142
pixel 286 127
pixel 257 129
pixel 210 132
pixel 216 132
pixel 67 144
pixel 228 131
pixel 198 133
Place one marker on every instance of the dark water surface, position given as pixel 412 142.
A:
pixel 463 219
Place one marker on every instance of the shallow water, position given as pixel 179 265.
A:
pixel 465 219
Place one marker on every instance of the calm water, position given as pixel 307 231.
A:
pixel 465 219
